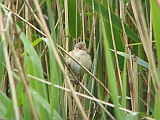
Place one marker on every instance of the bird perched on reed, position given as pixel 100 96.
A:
pixel 80 54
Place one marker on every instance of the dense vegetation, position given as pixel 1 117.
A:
pixel 122 37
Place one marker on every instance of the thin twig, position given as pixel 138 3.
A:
pixel 8 66
pixel 114 46
pixel 78 82
pixel 60 48
pixel 46 30
pixel 85 69
pixel 85 96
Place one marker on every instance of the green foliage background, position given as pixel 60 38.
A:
pixel 124 43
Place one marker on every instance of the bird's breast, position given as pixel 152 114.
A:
pixel 82 57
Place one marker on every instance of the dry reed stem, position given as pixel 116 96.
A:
pixel 142 29
pixel 60 48
pixel 77 81
pixel 135 85
pixel 114 46
pixel 83 28
pixel 8 66
pixel 149 74
pixel 85 96
pixel 148 92
pixel 85 69
pixel 45 28
pixel 62 37
pixel 95 60
pixel 68 99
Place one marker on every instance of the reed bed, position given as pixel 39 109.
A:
pixel 123 41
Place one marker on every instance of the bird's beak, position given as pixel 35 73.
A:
pixel 85 49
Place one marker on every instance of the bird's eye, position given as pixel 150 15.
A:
pixel 79 48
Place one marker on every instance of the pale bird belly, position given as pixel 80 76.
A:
pixel 83 58
pixel 77 68
pixel 85 61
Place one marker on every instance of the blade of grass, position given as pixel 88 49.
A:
pixel 8 65
pixel 116 21
pixel 156 25
pixel 111 75
pixel 72 19
pixel 4 103
pixel 1 62
pixel 37 66
pixel 45 28
pixel 139 60
pixel 123 100
pixel 54 70
pixel 26 108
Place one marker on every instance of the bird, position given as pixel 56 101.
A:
pixel 80 54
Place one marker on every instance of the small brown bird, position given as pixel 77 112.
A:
pixel 80 54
